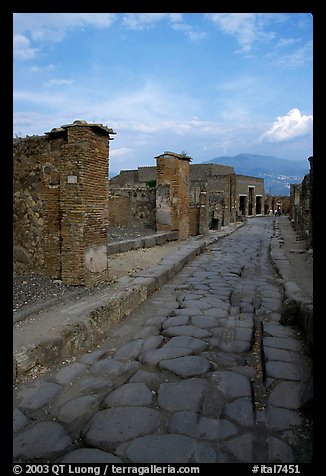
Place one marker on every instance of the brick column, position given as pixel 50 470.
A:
pixel 84 166
pixel 172 193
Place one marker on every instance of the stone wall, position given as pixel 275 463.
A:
pixel 36 217
pixel 172 193
pixel 61 208
pixel 202 171
pixel 133 207
pixel 301 207
pixel 249 195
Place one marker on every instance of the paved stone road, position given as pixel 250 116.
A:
pixel 211 376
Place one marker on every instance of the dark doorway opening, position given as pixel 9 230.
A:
pixel 214 224
pixel 242 205
pixel 251 200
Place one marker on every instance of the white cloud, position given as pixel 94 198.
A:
pixel 22 48
pixel 120 152
pixel 57 82
pixel 288 127
pixel 51 27
pixel 141 21
pixel 242 25
pixel 300 56
pixel 247 28
pixel 189 31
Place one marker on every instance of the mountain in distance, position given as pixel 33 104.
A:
pixel 277 173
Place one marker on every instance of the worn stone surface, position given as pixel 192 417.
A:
pixel 231 391
pixel 43 440
pixel 89 456
pixel 169 449
pixel 185 395
pixel 109 428
pixel 133 394
pixel 185 367
pixel 38 395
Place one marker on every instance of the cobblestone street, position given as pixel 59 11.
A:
pixel 209 374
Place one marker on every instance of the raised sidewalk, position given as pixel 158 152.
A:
pixel 61 331
pixel 294 264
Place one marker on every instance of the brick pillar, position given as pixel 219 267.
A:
pixel 172 193
pixel 84 166
pixel 204 213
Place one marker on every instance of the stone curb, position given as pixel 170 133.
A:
pixel 296 307
pixel 88 320
pixel 147 241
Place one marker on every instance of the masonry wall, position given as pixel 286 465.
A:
pixel 202 171
pixel 84 205
pixel 36 210
pixel 172 194
pixel 242 184
pixel 133 207
pixel 301 206
pixel 61 208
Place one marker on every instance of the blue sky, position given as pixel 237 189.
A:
pixel 208 84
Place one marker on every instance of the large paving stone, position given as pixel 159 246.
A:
pixel 43 440
pixel 230 345
pixel 271 353
pixel 286 370
pixel 168 449
pixel 281 418
pixel 205 322
pixel 148 378
pixel 185 395
pixel 109 428
pixel 192 331
pixel 89 456
pixel 192 424
pixel 287 343
pixel 278 330
pixel 187 342
pixel 19 419
pixel 279 451
pixel 130 350
pixel 95 385
pixel 153 357
pixel 176 321
pixel 189 366
pixel 241 411
pixel 92 357
pixel 242 448
pixel 133 394
pixel 37 395
pixel 195 304
pixel 287 395
pixel 113 368
pixel 77 408
pixel 216 312
pixel 232 384
pixel 152 342
pixel 70 373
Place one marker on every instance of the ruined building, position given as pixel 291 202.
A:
pixel 301 206
pixel 217 196
pixel 64 202
pixel 60 203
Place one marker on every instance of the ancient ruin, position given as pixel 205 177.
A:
pixel 64 202
pixel 301 206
